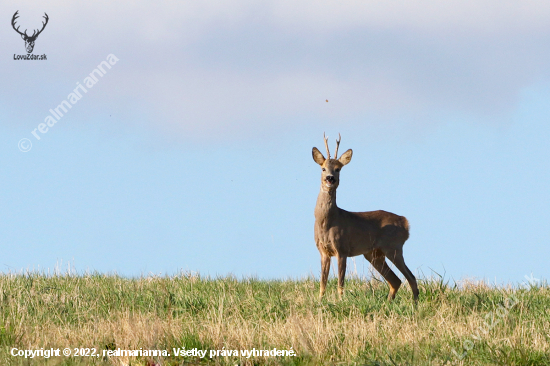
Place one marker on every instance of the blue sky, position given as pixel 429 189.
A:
pixel 193 152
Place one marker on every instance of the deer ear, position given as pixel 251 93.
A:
pixel 345 157
pixel 317 156
pixel 23 36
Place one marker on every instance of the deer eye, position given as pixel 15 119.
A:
pixel 337 169
pixel 324 169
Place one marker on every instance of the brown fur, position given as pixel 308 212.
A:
pixel 338 233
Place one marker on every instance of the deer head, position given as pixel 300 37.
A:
pixel 29 40
pixel 330 175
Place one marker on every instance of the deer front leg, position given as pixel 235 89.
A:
pixel 342 261
pixel 325 269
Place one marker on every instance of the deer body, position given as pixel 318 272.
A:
pixel 342 234
pixel 350 234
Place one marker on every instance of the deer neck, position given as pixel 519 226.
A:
pixel 326 208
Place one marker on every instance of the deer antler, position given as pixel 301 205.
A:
pixel 34 34
pixel 43 25
pixel 15 16
pixel 337 144
pixel 326 145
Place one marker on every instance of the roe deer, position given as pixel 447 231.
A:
pixel 376 234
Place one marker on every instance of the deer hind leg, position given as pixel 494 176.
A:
pixel 342 262
pixel 397 258
pixel 378 261
pixel 325 269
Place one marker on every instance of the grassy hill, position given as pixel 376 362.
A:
pixel 470 324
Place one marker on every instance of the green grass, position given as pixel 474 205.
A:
pixel 470 324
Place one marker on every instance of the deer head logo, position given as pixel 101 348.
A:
pixel 29 40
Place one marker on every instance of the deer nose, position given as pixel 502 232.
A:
pixel 330 179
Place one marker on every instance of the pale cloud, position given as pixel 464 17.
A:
pixel 205 67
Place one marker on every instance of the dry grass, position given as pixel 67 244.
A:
pixel 106 312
